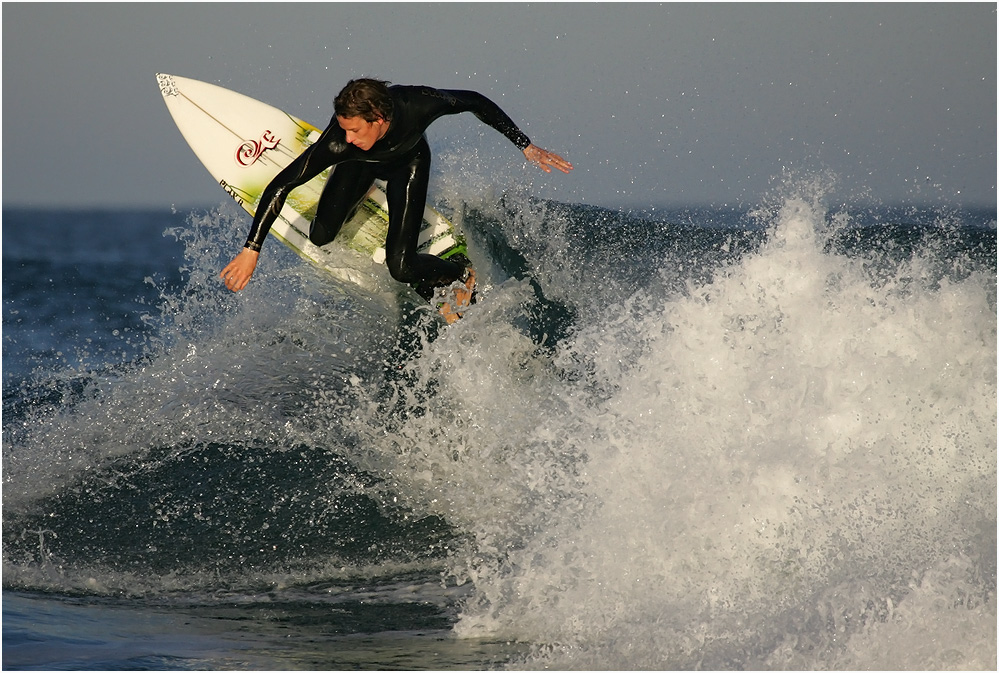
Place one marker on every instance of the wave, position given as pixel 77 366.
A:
pixel 719 439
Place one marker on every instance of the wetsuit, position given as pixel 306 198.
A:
pixel 401 158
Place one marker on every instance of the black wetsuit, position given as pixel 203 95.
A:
pixel 401 158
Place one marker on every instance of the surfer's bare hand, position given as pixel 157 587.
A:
pixel 237 274
pixel 546 160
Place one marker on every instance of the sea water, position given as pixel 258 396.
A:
pixel 741 437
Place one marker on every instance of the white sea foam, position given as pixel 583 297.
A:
pixel 789 466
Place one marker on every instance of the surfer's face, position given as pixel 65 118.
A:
pixel 361 132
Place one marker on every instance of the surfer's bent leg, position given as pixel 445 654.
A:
pixel 406 193
pixel 343 195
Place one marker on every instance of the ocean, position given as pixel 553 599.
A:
pixel 753 437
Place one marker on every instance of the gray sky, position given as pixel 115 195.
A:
pixel 654 104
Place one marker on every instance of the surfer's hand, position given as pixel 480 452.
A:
pixel 546 160
pixel 237 273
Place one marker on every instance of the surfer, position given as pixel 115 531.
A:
pixel 377 132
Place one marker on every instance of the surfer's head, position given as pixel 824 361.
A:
pixel 363 110
pixel 368 99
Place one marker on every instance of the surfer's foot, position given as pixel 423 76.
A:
pixel 463 297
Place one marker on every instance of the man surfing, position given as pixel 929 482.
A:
pixel 377 132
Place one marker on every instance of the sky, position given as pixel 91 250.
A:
pixel 654 104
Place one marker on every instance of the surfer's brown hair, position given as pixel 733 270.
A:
pixel 366 98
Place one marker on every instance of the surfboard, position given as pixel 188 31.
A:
pixel 244 143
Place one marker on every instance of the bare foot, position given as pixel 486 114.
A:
pixel 462 300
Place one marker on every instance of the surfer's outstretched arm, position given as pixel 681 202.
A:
pixel 438 102
pixel 309 164
pixel 546 160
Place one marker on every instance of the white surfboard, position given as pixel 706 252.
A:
pixel 244 143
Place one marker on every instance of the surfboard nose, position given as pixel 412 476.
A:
pixel 167 84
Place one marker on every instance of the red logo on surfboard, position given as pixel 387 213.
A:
pixel 248 153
